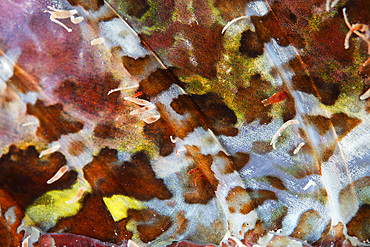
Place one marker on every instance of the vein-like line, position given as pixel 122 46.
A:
pixel 132 30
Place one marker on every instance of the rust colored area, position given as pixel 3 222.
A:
pixel 24 175
pixel 219 117
pixel 54 122
pixel 203 163
pixel 335 237
pixel 90 94
pixel 93 221
pixel 205 38
pixel 235 162
pixel 321 123
pixel 359 225
pixel 105 131
pixel 275 182
pixel 258 197
pixel 76 148
pixel 278 97
pixel 181 221
pixel 323 40
pixel 250 100
pixel 88 4
pixel 151 224
pixel 306 224
pixel 236 201
pixel 159 132
pixel 202 182
pixel 67 239
pixel 8 228
pixel 252 236
pixel 134 178
pixel 343 124
pixel 261 147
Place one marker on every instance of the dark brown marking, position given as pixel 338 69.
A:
pixel 343 124
pixel 135 8
pixel 90 94
pixel 136 67
pixel 306 224
pixel 159 132
pixel 157 82
pixel 237 195
pixel 54 122
pixel 8 232
pixel 240 159
pixel 151 224
pixel 252 236
pixel 251 45
pixel 93 220
pixel 24 175
pixel 359 224
pixel 76 148
pixel 220 118
pixel 105 131
pixel 258 197
pixel 206 182
pixel 261 147
pixel 250 100
pixel 235 162
pixel 328 91
pixel 134 178
pixel 322 124
pixel 181 221
pixel 275 182
pixel 88 4
pixel 335 236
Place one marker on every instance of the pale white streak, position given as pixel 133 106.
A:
pixel 122 88
pixel 63 14
pixel 237 241
pixel 142 110
pixel 357 29
pixel 233 21
pixel 29 123
pixel 76 20
pixel 10 216
pixel 330 4
pixel 49 150
pixel 78 195
pixel 131 243
pixel 365 95
pixel 25 242
pixel 300 145
pixel 137 35
pixel 152 119
pixel 178 151
pixel 137 101
pixel 173 140
pixel 58 175
pixel 280 130
pixel 98 41
pixel 309 184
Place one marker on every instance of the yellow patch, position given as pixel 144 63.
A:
pixel 119 204
pixel 46 210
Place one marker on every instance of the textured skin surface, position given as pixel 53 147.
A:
pixel 186 151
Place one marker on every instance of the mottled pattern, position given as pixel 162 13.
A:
pixel 184 123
